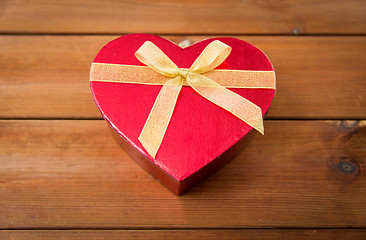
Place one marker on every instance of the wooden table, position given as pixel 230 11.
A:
pixel 62 176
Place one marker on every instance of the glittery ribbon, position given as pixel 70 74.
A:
pixel 201 76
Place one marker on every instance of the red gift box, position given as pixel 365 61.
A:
pixel 201 137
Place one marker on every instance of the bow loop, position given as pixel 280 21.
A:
pixel 212 56
pixel 156 59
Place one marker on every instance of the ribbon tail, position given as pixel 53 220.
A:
pixel 242 108
pixel 158 120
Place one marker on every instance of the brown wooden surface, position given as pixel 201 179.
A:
pixel 239 234
pixel 189 16
pixel 72 174
pixel 318 77
pixel 68 179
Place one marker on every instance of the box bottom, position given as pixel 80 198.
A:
pixel 180 187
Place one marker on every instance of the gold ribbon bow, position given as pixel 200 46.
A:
pixel 210 83
pixel 212 56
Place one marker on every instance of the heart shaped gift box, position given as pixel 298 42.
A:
pixel 200 135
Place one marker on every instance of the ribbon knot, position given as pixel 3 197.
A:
pixel 212 56
pixel 183 73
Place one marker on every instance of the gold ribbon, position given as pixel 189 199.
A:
pixel 199 76
pixel 119 73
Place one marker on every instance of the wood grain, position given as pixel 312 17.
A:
pixel 239 234
pixel 184 17
pixel 69 179
pixel 317 77
pixel 57 174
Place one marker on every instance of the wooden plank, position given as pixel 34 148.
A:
pixel 239 234
pixel 188 17
pixel 317 77
pixel 58 174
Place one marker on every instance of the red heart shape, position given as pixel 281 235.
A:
pixel 199 131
